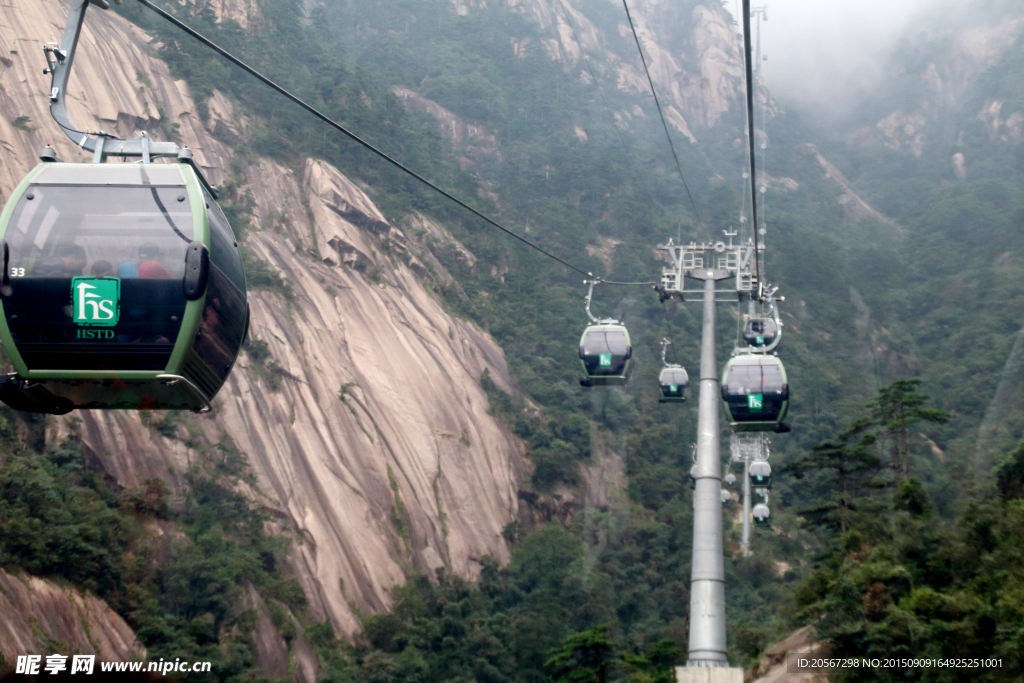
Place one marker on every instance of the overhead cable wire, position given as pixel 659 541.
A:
pixel 664 123
pixel 626 284
pixel 749 67
pixel 337 126
pixel 607 106
pixel 763 186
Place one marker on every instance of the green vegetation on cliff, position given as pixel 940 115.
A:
pixel 177 568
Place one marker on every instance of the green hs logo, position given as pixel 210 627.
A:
pixel 96 300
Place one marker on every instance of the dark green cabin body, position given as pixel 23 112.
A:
pixel 755 389
pixel 122 288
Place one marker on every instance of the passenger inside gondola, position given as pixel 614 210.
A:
pixel 151 267
pixel 102 269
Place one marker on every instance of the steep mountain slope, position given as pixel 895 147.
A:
pixel 37 614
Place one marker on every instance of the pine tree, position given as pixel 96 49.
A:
pixel 849 468
pixel 896 407
pixel 585 657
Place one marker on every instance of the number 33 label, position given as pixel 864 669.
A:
pixel 17 272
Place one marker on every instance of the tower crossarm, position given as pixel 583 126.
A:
pixel 719 260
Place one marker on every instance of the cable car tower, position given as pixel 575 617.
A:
pixel 709 263
pixel 753 387
pixel 748 449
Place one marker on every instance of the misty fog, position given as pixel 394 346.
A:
pixel 825 55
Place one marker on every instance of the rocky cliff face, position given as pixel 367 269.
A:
pixel 937 74
pixel 367 429
pixel 699 79
pixel 475 141
pixel 38 617
pixel 243 12
pixel 773 667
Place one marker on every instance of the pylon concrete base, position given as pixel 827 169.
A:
pixel 708 674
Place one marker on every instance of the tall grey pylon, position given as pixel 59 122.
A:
pixel 708 262
pixel 707 578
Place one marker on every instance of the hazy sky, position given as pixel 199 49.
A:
pixel 825 52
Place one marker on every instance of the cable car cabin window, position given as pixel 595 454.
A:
pixel 744 379
pixel 95 275
pixel 605 350
pixel 676 376
pixel 223 323
pixel 771 379
pixel 223 252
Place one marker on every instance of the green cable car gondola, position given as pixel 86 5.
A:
pixel 760 474
pixel 605 349
pixel 762 515
pixel 756 393
pixel 673 381
pixel 760 332
pixel 122 284
pixel 605 354
pixel 123 288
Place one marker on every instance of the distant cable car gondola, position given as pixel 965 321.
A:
pixel 756 393
pixel 764 331
pixel 605 350
pixel 122 284
pixel 760 474
pixel 760 331
pixel 673 379
pixel 730 479
pixel 761 515
pixel 726 497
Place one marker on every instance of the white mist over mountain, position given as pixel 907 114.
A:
pixel 824 54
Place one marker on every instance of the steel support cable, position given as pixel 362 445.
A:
pixel 668 322
pixel 607 106
pixel 626 284
pixel 664 123
pixel 764 168
pixel 337 126
pixel 749 68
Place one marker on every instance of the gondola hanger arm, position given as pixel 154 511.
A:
pixel 590 295
pixel 775 316
pixel 60 59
